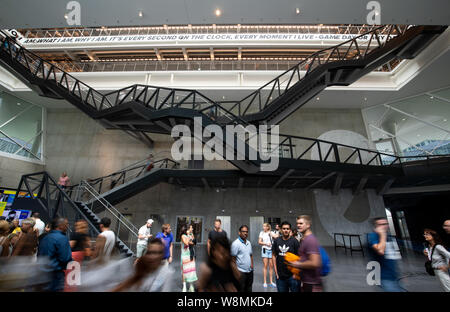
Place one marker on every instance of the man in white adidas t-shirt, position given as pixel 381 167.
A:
pixel 105 240
pixel 143 235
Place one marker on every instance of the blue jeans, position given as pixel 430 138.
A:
pixel 391 286
pixel 286 285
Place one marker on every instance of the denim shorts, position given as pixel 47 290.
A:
pixel 266 253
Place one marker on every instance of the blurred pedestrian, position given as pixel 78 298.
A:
pixel 56 247
pixel 167 238
pixel 281 246
pixel 189 273
pixel 265 239
pixel 4 230
pixel 242 255
pixel 385 251
pixel 145 232
pixel 80 242
pixel 219 273
pixel 446 226
pixel 27 240
pixel 216 232
pixel 149 163
pixel 15 226
pixel 439 257
pixel 150 274
pixel 39 226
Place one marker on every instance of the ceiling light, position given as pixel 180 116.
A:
pixel 365 99
pixel 297 11
pixel 66 16
pixel 431 97
pixel 18 103
pixel 218 12
pixel 403 119
pixel 318 98
pixel 445 119
pixel 223 210
pixel 257 210
pixel 217 190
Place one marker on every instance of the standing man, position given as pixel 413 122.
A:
pixel 105 240
pixel 385 251
pixel 281 245
pixel 310 261
pixel 143 235
pixel 55 245
pixel 241 252
pixel 39 226
pixel 216 232
pixel 167 238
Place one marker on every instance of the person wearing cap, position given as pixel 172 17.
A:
pixel 143 236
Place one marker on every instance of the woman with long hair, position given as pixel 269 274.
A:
pixel 439 257
pixel 220 272
pixel 265 240
pixel 189 273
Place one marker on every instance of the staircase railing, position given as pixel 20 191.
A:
pixel 157 97
pixel 113 180
pixel 125 230
pixel 53 199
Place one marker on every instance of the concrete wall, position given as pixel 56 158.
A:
pixel 331 213
pixel 11 170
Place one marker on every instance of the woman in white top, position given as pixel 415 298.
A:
pixel 439 257
pixel 265 240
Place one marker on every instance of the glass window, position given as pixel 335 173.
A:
pixel 21 127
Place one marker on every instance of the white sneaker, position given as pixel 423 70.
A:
pixel 265 285
pixel 191 289
pixel 273 284
pixel 184 288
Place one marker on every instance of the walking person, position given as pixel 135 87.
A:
pixel 189 273
pixel 4 241
pixel 310 261
pixel 216 232
pixel 150 274
pixel 282 245
pixel 55 246
pixel 27 241
pixel 219 273
pixel 385 251
pixel 39 224
pixel 266 240
pixel 167 238
pixel 149 163
pixel 145 232
pixel 242 255
pixel 191 235
pixel 439 257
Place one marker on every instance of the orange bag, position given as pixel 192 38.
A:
pixel 290 257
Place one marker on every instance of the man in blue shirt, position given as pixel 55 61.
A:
pixel 385 251
pixel 167 238
pixel 241 251
pixel 56 247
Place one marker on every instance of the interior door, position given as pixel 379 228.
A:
pixel 256 226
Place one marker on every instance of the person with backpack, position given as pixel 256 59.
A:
pixel 384 250
pixel 310 263
pixel 438 258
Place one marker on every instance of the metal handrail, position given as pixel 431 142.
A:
pixel 120 217
pixel 311 61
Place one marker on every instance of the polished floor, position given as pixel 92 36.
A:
pixel 348 274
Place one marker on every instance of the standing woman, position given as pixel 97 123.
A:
pixel 265 240
pixel 64 180
pixel 187 263
pixel 439 257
